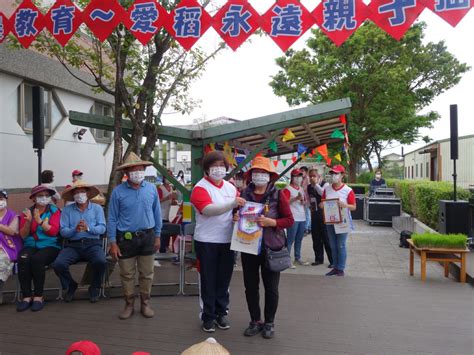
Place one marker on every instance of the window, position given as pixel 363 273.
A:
pixel 54 112
pixel 427 170
pixel 100 135
pixel 416 170
pixel 412 172
pixel 421 169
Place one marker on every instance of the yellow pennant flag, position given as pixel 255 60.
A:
pixel 287 135
pixel 337 157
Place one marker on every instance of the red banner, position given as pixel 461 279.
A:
pixel 102 16
pixel 338 19
pixel 452 11
pixel 395 16
pixel 188 22
pixel 5 27
pixel 27 23
pixel 62 20
pixel 144 18
pixel 286 21
pixel 236 21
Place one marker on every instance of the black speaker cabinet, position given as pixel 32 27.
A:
pixel 38 117
pixel 359 212
pixel 453 217
pixel 471 217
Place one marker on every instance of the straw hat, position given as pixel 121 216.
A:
pixel 264 164
pixel 208 347
pixel 133 160
pixel 40 188
pixel 92 191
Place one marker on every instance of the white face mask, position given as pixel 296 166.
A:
pixel 335 178
pixel 239 183
pixel 3 204
pixel 217 172
pixel 378 177
pixel 298 180
pixel 43 200
pixel 137 176
pixel 80 198
pixel 260 179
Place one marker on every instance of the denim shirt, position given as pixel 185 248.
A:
pixel 93 215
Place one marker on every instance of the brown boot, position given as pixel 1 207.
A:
pixel 129 307
pixel 145 308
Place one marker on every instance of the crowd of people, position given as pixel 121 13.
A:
pixel 44 235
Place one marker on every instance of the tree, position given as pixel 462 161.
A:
pixel 388 82
pixel 144 80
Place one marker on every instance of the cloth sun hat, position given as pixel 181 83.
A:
pixel 338 169
pixel 133 160
pixel 77 173
pixel 264 164
pixel 86 347
pixel 68 193
pixel 40 188
pixel 208 347
pixel 296 172
pixel 4 193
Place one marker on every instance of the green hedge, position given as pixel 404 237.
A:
pixel 365 186
pixel 447 241
pixel 421 198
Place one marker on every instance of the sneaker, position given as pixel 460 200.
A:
pixel 340 273
pixel 208 326
pixel 222 322
pixel 268 331
pixel 23 306
pixel 316 263
pixel 330 266
pixel 253 329
pixel 293 266
pixel 332 272
pixel 302 263
pixel 37 306
pixel 69 296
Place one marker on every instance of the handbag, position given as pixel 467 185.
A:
pixel 277 260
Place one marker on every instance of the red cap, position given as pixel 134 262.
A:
pixel 84 346
pixel 77 172
pixel 296 172
pixel 338 169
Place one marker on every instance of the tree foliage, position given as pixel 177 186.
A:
pixel 144 80
pixel 388 82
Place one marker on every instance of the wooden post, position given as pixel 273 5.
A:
pixel 412 261
pixel 423 265
pixel 446 269
pixel 462 277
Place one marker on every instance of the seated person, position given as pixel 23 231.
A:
pixel 82 224
pixel 39 228
pixel 377 182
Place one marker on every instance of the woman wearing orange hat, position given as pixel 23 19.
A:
pixel 346 200
pixel 276 219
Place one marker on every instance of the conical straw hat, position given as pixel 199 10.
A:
pixel 133 160
pixel 92 191
pixel 208 347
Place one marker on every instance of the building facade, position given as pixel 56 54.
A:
pixel 433 162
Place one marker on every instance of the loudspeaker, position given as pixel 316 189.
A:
pixel 38 117
pixel 453 217
pixel 453 114
pixel 381 210
pixel 471 217
pixel 359 212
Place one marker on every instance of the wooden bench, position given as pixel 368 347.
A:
pixel 444 256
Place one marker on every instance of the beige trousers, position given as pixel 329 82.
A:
pixel 128 270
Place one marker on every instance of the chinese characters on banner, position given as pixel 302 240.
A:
pixel 285 22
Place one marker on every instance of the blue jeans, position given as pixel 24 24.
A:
pixel 295 235
pixel 307 212
pixel 338 248
pixel 90 251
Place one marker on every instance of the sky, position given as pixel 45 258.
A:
pixel 235 84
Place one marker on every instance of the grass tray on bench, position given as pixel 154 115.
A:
pixel 442 241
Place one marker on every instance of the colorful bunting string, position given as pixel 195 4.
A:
pixel 337 157
pixel 301 149
pixel 337 134
pixel 287 135
pixel 273 146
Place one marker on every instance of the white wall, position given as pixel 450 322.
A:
pixel 464 165
pixel 413 160
pixel 62 154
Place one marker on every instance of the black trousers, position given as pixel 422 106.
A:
pixel 141 244
pixel 216 264
pixel 252 265
pixel 320 237
pixel 31 267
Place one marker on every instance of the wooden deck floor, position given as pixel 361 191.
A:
pixel 317 315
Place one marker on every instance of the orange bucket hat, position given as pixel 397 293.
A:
pixel 264 164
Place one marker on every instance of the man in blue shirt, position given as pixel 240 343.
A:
pixel 82 224
pixel 133 229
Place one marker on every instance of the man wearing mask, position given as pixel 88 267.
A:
pixel 82 224
pixel 377 182
pixel 296 196
pixel 134 229
pixel 318 229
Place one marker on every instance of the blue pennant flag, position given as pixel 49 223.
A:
pixel 301 149
pixel 239 159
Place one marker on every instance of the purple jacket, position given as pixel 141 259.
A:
pixel 10 244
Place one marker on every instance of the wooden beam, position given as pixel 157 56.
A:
pixel 311 133
pixel 279 141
